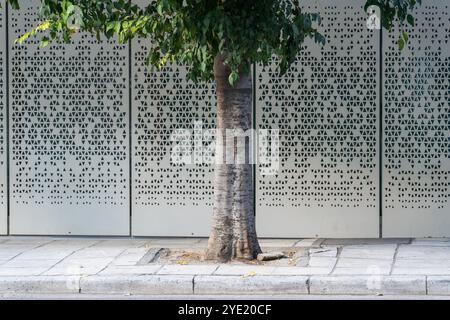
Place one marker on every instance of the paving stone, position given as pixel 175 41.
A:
pixel 322 262
pixel 309 243
pixel 421 263
pixel 53 253
pixel 18 247
pixel 434 243
pixel 301 253
pixel 19 263
pixel 9 254
pixel 254 285
pixel 368 285
pixel 301 270
pixel 130 257
pixel 152 255
pixel 370 241
pixel 34 241
pixel 58 249
pixel 179 243
pixel 423 252
pixel 244 270
pixel 363 263
pixel 122 243
pixel 430 239
pixel 188 269
pixel 277 243
pixel 71 243
pixel 301 258
pixel 96 252
pixel 421 271
pixel 122 270
pixel 369 251
pixel 79 266
pixel 301 261
pixel 371 270
pixel 30 271
pixel 323 252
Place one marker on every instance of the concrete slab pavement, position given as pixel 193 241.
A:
pixel 53 265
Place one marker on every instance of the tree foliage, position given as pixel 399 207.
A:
pixel 396 11
pixel 193 32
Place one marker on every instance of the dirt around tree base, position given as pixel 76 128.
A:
pixel 292 257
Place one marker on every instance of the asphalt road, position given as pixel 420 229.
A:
pixel 210 297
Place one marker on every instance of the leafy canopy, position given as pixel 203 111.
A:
pixel 193 32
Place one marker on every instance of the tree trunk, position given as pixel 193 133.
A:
pixel 233 234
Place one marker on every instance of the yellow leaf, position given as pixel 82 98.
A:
pixel 43 26
pixel 250 274
pixel 22 38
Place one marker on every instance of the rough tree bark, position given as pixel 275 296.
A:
pixel 233 234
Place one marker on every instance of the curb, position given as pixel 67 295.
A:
pixel 228 285
pixel 368 285
pixel 40 284
pixel 250 285
pixel 140 284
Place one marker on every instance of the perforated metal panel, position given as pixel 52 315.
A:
pixel 69 135
pixel 326 108
pixel 3 200
pixel 168 199
pixel 416 121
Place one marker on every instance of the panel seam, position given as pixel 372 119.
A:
pixel 7 103
pixel 255 139
pixel 381 167
pixel 130 139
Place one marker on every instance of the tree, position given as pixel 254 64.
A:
pixel 219 40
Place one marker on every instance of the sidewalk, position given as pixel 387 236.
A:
pixel 52 265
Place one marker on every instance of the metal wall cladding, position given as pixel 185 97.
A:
pixel 327 109
pixel 416 126
pixel 75 108
pixel 170 199
pixel 3 133
pixel 69 154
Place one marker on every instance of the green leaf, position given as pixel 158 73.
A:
pixel 405 36
pixel 410 19
pixel 233 78
pixel 193 32
pixel 401 43
pixel 306 23
pixel 160 8
pixel 45 41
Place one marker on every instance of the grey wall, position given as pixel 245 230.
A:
pixel 89 128
pixel 69 156
pixel 416 126
pixel 326 108
pixel 168 199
